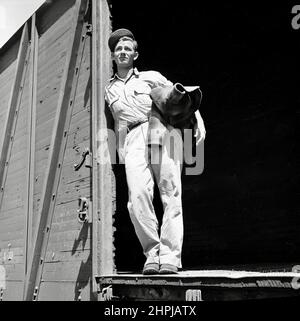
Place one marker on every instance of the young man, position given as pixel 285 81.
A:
pixel 128 97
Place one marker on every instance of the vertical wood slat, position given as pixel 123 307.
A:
pixel 5 140
pixel 102 208
pixel 31 144
pixel 47 206
pixel 94 128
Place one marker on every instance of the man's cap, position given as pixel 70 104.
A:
pixel 116 35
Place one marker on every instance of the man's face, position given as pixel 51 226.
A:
pixel 124 54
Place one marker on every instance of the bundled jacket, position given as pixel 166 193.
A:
pixel 172 105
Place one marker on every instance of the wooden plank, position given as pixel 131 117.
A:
pixel 42 141
pixel 17 241
pixel 44 130
pixel 69 175
pixel 18 251
pixel 13 291
pixel 66 256
pixel 4 142
pixel 5 138
pixel 74 191
pixel 7 75
pixel 78 244
pixel 28 206
pixel 4 92
pixel 19 152
pixel 16 211
pixel 54 54
pixel 47 95
pixel 62 290
pixel 66 226
pixel 102 211
pixel 67 270
pixel 14 166
pixel 11 224
pixel 9 237
pixel 67 236
pixel 56 153
pixel 54 37
pixel 15 176
pixel 14 271
pixel 16 184
pixel 14 260
pixel 57 29
pixel 6 81
pixel 17 146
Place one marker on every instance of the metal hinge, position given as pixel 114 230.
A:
pixel 83 205
pixel 1 294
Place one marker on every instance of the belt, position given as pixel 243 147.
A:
pixel 134 125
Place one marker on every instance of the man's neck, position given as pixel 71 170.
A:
pixel 124 72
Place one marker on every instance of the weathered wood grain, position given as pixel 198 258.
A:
pixel 47 206
pixel 13 292
pixel 58 290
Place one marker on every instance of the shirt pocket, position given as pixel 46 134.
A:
pixel 141 89
pixel 141 96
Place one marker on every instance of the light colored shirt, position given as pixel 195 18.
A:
pixel 130 102
pixel 129 99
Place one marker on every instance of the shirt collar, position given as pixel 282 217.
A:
pixel 133 72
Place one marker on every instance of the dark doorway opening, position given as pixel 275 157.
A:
pixel 242 209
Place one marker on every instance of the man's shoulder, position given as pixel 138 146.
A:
pixel 154 78
pixel 149 74
pixel 109 84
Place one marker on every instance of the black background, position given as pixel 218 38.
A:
pixel 244 208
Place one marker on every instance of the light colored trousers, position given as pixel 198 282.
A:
pixel 166 248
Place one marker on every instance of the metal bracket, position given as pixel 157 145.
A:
pixel 107 294
pixel 89 29
pixel 83 210
pixel 35 293
pixel 86 157
pixel 88 33
pixel 193 295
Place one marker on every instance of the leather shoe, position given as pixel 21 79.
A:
pixel 168 269
pixel 151 268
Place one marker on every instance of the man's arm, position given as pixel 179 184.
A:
pixel 200 131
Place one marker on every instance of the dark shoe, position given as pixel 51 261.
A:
pixel 168 269
pixel 151 268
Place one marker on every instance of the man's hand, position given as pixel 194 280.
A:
pixel 200 131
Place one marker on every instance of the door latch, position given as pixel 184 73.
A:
pixel 83 209
pixel 89 29
pixel 85 157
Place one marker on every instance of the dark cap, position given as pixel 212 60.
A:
pixel 116 35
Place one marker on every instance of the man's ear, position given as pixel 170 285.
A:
pixel 136 56
pixel 112 56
